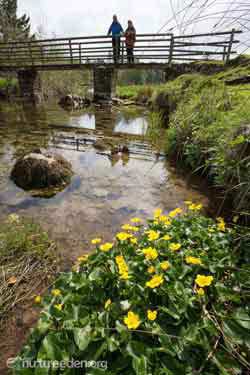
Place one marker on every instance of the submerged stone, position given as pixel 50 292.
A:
pixel 41 171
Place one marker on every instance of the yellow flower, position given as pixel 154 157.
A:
pixel 82 258
pixel 156 281
pixel 152 235
pixel 193 260
pixel 107 304
pixel 133 240
pixel 175 212
pixel 221 224
pixel 188 203
pixel 174 246
pixel 150 253
pixel 59 307
pixel 13 219
pixel 38 299
pixel 200 292
pixel 123 236
pixel 202 280
pixel 131 228
pixel 165 265
pixel 56 292
pixel 96 241
pixel 152 315
pixel 157 213
pixel 122 267
pixel 106 247
pixel 166 238
pixel 132 320
pixel 151 269
pixel 136 220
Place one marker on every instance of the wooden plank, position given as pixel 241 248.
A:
pixel 230 46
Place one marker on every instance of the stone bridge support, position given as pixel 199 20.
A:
pixel 105 80
pixel 29 84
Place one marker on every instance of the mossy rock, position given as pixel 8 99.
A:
pixel 41 171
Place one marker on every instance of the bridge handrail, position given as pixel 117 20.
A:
pixel 161 48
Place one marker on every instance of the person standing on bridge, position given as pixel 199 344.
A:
pixel 130 38
pixel 116 30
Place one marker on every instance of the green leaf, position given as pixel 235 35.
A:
pixel 82 337
pixel 140 365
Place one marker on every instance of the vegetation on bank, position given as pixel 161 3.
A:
pixel 207 127
pixel 27 259
pixel 168 297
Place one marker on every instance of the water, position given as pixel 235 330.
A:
pixel 106 190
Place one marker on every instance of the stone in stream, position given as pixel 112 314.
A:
pixel 74 101
pixel 39 170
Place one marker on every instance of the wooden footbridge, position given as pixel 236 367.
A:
pixel 152 51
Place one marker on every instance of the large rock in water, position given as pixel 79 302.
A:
pixel 38 171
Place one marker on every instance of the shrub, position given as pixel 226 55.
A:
pixel 166 298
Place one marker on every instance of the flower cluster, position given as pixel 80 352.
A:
pixel 122 267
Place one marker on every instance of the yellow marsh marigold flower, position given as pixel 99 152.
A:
pixel 58 307
pixel 166 237
pixel 132 320
pixel 107 304
pixel 152 235
pixel 133 240
pixel 150 253
pixel 123 236
pixel 151 269
pixel 174 246
pixel 195 207
pixel 38 299
pixel 200 292
pixel 96 241
pixel 193 260
pixel 106 247
pixel 165 265
pixel 152 315
pixel 221 224
pixel 202 280
pixel 122 267
pixel 56 292
pixel 83 258
pixel 175 212
pixel 156 281
pixel 136 220
pixel 157 213
pixel 188 203
pixel 131 228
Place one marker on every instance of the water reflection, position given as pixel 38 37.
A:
pixel 109 185
pixel 137 126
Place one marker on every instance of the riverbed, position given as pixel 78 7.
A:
pixel 107 188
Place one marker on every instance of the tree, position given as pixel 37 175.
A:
pixel 13 27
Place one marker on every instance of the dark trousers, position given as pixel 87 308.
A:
pixel 130 55
pixel 116 43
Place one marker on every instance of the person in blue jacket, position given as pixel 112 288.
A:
pixel 116 30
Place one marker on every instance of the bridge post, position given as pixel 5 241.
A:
pixel 29 83
pixel 105 80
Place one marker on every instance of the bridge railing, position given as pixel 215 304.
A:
pixel 149 48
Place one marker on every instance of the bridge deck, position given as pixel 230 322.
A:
pixel 151 51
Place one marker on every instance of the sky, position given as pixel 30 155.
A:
pixel 66 18
pixel 85 17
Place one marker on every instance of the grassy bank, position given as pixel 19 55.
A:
pixel 27 259
pixel 207 127
pixel 165 297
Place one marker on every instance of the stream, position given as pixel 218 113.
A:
pixel 106 190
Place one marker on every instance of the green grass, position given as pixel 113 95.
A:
pixel 27 259
pixel 207 128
